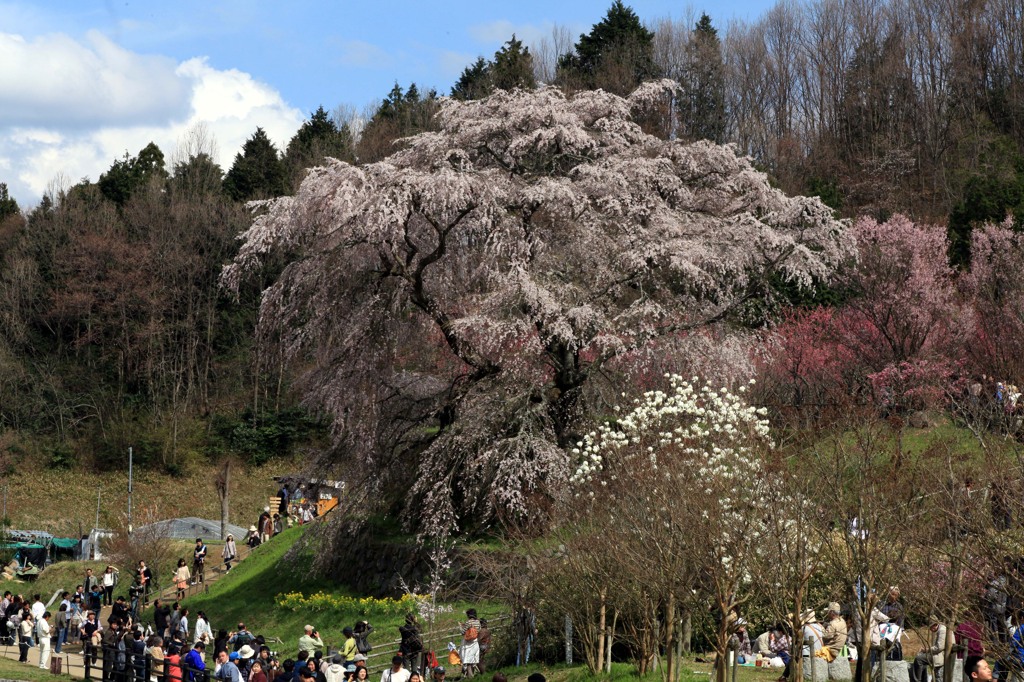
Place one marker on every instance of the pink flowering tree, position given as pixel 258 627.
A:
pixel 903 303
pixel 995 284
pixel 464 306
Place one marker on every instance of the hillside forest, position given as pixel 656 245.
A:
pixel 905 118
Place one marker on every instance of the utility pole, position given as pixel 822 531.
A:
pixel 129 491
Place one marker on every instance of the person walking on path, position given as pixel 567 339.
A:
pixel 43 630
pixel 109 580
pixel 181 578
pixel 229 552
pixel 198 562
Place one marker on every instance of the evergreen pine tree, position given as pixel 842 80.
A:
pixel 616 55
pixel 316 139
pixel 257 172
pixel 703 87
pixel 8 206
pixel 513 67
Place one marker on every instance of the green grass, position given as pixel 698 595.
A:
pixel 247 593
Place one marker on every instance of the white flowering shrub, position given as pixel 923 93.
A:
pixel 711 429
pixel 679 481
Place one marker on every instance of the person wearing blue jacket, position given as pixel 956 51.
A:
pixel 194 662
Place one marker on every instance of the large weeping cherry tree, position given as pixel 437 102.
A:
pixel 462 307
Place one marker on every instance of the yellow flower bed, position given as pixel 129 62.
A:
pixel 321 602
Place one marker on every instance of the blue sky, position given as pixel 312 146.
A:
pixel 83 81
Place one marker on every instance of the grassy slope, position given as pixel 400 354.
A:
pixel 247 594
pixel 64 502
pixel 66 575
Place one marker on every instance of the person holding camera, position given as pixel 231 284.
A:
pixel 310 642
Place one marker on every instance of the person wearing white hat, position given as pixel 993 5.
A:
pixel 310 642
pixel 252 538
pixel 244 661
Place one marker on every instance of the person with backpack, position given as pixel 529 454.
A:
pixel 411 646
pixel 240 638
pixel 470 649
pixel 362 632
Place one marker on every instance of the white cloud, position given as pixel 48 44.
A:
pixel 55 79
pixel 71 108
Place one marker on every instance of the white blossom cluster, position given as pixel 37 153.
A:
pixel 712 427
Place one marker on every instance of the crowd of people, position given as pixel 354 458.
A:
pixel 838 637
pixel 168 644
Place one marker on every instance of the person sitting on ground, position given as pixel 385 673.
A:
pixel 834 635
pixel 740 640
pixel 310 642
pixel 931 655
pixel 252 538
pixel 761 644
pixel 396 673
